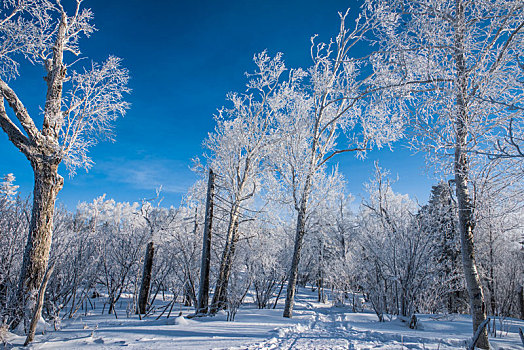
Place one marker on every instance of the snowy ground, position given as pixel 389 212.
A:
pixel 314 326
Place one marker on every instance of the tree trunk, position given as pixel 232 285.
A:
pixel 203 293
pixel 491 279
pixel 461 168
pixel 299 238
pixel 220 295
pixel 143 296
pixel 279 292
pixel 229 264
pixel 36 255
pixel 38 307
pixel 466 226
pixel 293 272
pixel 521 302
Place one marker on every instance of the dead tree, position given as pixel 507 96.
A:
pixel 203 293
pixel 146 279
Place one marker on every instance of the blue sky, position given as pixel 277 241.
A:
pixel 183 57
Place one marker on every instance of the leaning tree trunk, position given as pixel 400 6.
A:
pixel 38 307
pixel 36 255
pixel 461 168
pixel 293 272
pixel 228 266
pixel 299 238
pixel 143 296
pixel 220 295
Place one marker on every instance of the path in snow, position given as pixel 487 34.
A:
pixel 333 332
pixel 333 328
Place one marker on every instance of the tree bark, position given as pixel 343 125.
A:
pixel 143 296
pixel 36 255
pixel 299 238
pixel 220 296
pixel 521 302
pixel 38 308
pixel 203 293
pixel 461 168
pixel 466 226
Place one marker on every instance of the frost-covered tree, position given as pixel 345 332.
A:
pixel 14 222
pixel 8 189
pixel 236 151
pixel 79 107
pixel 124 235
pixel 341 269
pixel 453 66
pixel 76 256
pixel 267 251
pixel 439 220
pixel 317 108
pixel 396 256
pixel 321 243
pixel 157 221
pixel 499 222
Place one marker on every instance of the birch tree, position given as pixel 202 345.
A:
pixel 325 111
pixel 454 64
pixel 79 107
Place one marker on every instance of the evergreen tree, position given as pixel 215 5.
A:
pixel 440 220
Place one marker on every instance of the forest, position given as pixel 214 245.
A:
pixel 268 249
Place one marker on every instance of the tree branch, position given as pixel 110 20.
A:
pixel 20 111
pixel 342 151
pixel 14 134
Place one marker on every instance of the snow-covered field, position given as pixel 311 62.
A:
pixel 314 326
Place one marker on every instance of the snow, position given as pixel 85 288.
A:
pixel 314 326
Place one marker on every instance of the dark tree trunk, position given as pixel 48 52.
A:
pixel 188 291
pixel 143 296
pixel 521 301
pixel 320 284
pixel 203 293
pixel 293 272
pixel 279 292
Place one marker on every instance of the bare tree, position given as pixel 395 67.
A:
pixel 79 107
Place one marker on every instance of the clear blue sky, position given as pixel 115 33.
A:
pixel 183 57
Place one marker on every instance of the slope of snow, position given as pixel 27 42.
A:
pixel 314 326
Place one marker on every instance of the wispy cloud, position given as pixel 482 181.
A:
pixel 149 173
